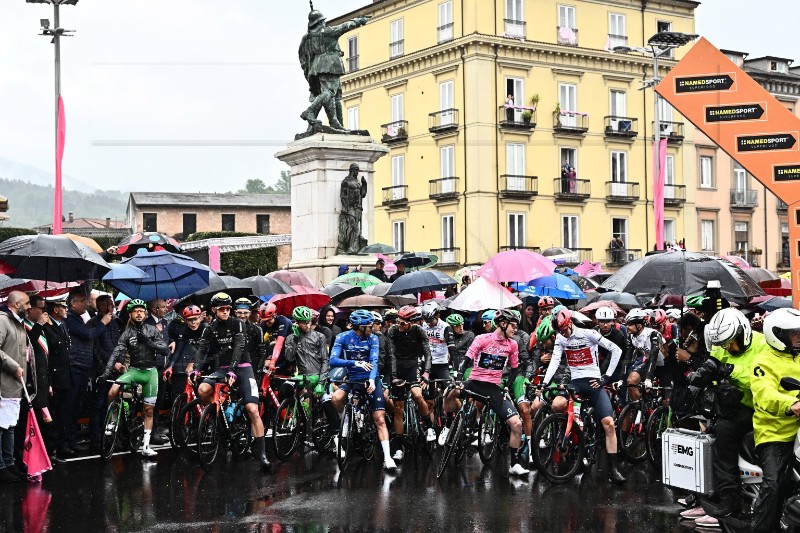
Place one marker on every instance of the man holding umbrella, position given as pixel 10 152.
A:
pixel 14 349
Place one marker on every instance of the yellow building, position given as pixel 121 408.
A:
pixel 469 174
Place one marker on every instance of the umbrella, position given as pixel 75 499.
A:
pixel 585 284
pixel 414 260
pixel 484 294
pixel 587 269
pixel 234 289
pixel 560 254
pixel 777 287
pixel 738 261
pixel 340 291
pixel 168 276
pixel 471 271
pixel 786 275
pixel 622 299
pixel 359 279
pixel 124 271
pixel 264 286
pixel 516 265
pixel 682 273
pixel 378 248
pixel 149 241
pixel 51 258
pixel 776 302
pixel 594 306
pixel 293 277
pixel 421 281
pixel 230 280
pixel 760 274
pixel 555 285
pixel 381 289
pixel 91 243
pixel 305 296
pixel 365 301
pixel 33 285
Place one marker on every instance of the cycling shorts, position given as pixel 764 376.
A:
pixel 376 400
pixel 518 389
pixel 497 399
pixel 309 382
pixel 245 382
pixel 598 398
pixel 147 378
pixel 438 371
pixel 410 376
pixel 660 372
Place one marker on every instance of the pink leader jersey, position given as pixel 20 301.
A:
pixel 490 353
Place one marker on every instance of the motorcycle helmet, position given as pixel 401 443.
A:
pixel 779 328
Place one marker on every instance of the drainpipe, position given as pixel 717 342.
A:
pixel 496 142
pixel 464 107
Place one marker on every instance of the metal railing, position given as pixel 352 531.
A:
pixel 617 40
pixel 512 117
pixel 529 248
pixel 352 63
pixel 447 256
pixel 622 191
pixel 395 195
pixel 622 256
pixel 566 35
pixel 514 28
pixel 443 189
pixel 445 33
pixel 674 194
pixel 441 121
pixel 782 260
pixel 744 198
pixel 396 131
pixel 748 255
pixel 672 131
pixel 571 189
pixel 396 49
pixel 512 185
pixel 578 256
pixel 572 122
pixel 782 206
pixel 621 126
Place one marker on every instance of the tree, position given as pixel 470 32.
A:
pixel 255 186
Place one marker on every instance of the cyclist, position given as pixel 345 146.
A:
pixel 187 339
pixel 275 328
pixel 776 413
pixel 141 342
pixel 357 351
pixel 385 368
pixel 462 337
pixel 486 324
pixel 580 346
pixel 441 342
pixel 645 347
pixel 608 328
pixel 389 318
pixel 696 304
pixel 546 305
pixel 243 309
pixel 408 343
pixel 226 340
pixel 518 387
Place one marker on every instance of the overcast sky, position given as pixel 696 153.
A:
pixel 197 95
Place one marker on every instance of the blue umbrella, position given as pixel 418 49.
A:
pixel 555 285
pixel 120 271
pixel 168 276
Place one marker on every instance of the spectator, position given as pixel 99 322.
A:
pixel 158 310
pixel 401 270
pixel 343 269
pixel 91 305
pixel 378 271
pixel 572 177
pixel 465 282
pixel 55 332
pixel 103 347
pixel 510 108
pixel 617 245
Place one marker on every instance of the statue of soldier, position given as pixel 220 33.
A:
pixel 352 193
pixel 321 59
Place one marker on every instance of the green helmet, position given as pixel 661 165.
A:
pixel 302 314
pixel 133 304
pixel 517 314
pixel 696 301
pixel 455 320
pixel 545 330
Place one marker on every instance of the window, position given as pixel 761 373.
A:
pixel 619 174
pixel 741 235
pixel 149 222
pixel 515 88
pixel 515 20
pixel 570 156
pixel 665 116
pixel 448 240
pixel 398 176
pixel 707 235
pixel 663 25
pixel 262 224
pixel 396 102
pixel 567 29
pixel 446 102
pixel 399 235
pixel 352 54
pixel 189 224
pixel 445 21
pixel 706 175
pixel 352 117
pixel 228 222
pixel 619 228
pixel 617 35
pixel 396 38
pixel 516 230
pixel 447 168
pixel 669 177
pixel 617 103
pixel 739 177
pixel 669 231
pixel 569 232
pixel 568 101
pixel 515 166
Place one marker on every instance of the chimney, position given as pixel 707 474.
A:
pixel 71 216
pixel 108 222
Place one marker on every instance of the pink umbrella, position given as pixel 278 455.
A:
pixel 594 306
pixel 304 296
pixel 484 294
pixel 293 277
pixel 516 265
pixel 736 260
pixel 34 453
pixel 587 269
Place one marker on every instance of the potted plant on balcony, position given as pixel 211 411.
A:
pixel 526 117
pixel 401 133
pixel 558 115
pixel 535 101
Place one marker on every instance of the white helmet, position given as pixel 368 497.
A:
pixel 727 325
pixel 604 313
pixel 636 316
pixel 779 326
pixel 430 309
pixel 674 314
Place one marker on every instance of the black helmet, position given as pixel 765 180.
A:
pixel 315 18
pixel 221 299
pixel 505 315
pixel 791 512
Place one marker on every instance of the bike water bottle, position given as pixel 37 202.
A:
pixel 229 413
pixel 306 407
pixel 127 407
pixel 576 408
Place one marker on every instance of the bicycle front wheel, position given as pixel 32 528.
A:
pixel 631 433
pixel 321 430
pixel 369 437
pixel 135 422
pixel 487 436
pixel 660 420
pixel 208 436
pixel 175 420
pixel 241 434
pixel 452 442
pixel 286 431
pixel 346 429
pixel 558 453
pixel 185 430
pixel 111 425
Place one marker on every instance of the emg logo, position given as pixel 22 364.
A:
pixel 683 450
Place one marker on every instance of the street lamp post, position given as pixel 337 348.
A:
pixel 660 45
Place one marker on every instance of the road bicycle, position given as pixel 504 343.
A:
pixel 298 417
pixel 632 422
pixel 357 430
pixel 223 425
pixel 493 432
pixel 462 429
pixel 124 419
pixel 414 438
pixel 184 418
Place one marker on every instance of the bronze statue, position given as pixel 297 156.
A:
pixel 321 59
pixel 352 193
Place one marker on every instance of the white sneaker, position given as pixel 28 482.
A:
pixel 518 470
pixel 487 439
pixel 443 435
pixel 389 464
pixel 110 428
pixel 148 452
pixel 431 435
pixel 398 456
pixel 542 444
pixel 268 433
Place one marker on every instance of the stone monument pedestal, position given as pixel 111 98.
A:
pixel 319 164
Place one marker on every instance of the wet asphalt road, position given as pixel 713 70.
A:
pixel 309 494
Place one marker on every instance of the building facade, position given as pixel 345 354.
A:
pixel 512 124
pixel 89 227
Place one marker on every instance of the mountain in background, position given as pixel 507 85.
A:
pixel 17 171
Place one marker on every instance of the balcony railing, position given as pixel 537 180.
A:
pixel 578 256
pixel 529 248
pixel 622 192
pixel 672 131
pixel 512 118
pixel 674 194
pixel 445 32
pixel 744 198
pixel 352 63
pixel 752 258
pixel 394 132
pixel 442 121
pixel 447 256
pixel 618 257
pixel 396 195
pixel 396 49
pixel 782 261
pixel 514 28
pixel 567 35
pixel 571 189
pixel 621 126
pixel 515 186
pixel 617 40
pixel 443 189
pixel 570 122
pixel 782 206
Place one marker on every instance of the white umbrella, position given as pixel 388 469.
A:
pixel 483 294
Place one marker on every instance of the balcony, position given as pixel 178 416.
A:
pixel 623 192
pixel 744 199
pixel 782 261
pixel 621 127
pixel 753 258
pixel 570 123
pixel 443 189
pixel 443 121
pixel 395 196
pixel 394 132
pixel 617 40
pixel 577 257
pixel 782 207
pixel 514 186
pixel 514 29
pixel 445 33
pixel 621 256
pixel 517 118
pixel 396 49
pixel 448 257
pixel 672 131
pixel 570 190
pixel 566 36
pixel 674 194
pixel 352 63
pixel 529 248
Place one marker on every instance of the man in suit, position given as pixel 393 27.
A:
pixel 58 341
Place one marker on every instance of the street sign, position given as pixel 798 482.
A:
pixel 746 122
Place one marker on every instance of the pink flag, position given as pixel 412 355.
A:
pixel 34 453
pixel 61 135
pixel 660 155
pixel 214 260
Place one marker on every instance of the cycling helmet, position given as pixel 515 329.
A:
pixel 562 319
pixel 658 317
pixel 455 320
pixel 133 304
pixel 545 330
pixel 314 316
pixel 546 301
pixel 301 314
pixel 267 311
pixel 377 318
pixel 488 316
pixel 361 317
pixel 242 303
pixel 191 311
pixel 430 310
pixel 636 316
pixel 791 511
pixel 408 313
pixel 556 309
pixel 695 302
pixel 604 313
pixel 727 325
pixel 505 315
pixel 390 314
pixel 518 315
pixel 779 326
pixel 221 299
pixel 674 314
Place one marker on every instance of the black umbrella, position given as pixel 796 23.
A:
pixel 414 260
pixel 378 248
pixel 381 289
pixel 421 281
pixel 622 299
pixel 234 289
pixel 264 286
pixel 683 273
pixel 51 258
pixel 340 291
pixel 774 303
pixel 149 241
